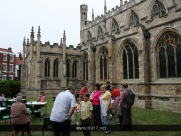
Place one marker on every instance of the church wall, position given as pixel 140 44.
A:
pixel 146 97
pixel 151 91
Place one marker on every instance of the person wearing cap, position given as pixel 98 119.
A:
pixel 116 95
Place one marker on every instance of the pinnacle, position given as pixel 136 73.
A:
pixel 39 31
pixel 32 32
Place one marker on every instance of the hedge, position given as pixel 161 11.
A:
pixel 10 87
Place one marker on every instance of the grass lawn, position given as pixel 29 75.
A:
pixel 139 117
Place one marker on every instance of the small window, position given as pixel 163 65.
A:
pixel 68 68
pixel 3 78
pixel 47 68
pixel 4 67
pixel 4 57
pixel 11 68
pixel 10 77
pixel 115 25
pixel 158 9
pixel 134 19
pixel 74 72
pixel 11 58
pixel 89 35
pixel 100 32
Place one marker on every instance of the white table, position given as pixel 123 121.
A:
pixel 38 103
pixel 13 100
pixel 2 108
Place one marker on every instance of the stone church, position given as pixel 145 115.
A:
pixel 138 42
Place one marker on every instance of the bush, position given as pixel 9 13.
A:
pixel 10 87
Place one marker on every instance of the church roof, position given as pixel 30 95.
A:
pixel 6 50
pixel 18 61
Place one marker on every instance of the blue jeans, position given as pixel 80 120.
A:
pixel 106 121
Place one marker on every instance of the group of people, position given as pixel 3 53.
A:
pixel 97 104
pixel 20 115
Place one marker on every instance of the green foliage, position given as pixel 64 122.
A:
pixel 10 87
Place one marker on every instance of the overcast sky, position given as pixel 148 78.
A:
pixel 53 17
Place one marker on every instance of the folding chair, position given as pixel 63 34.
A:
pixel 53 98
pixel 8 104
pixel 47 125
pixel 2 104
pixel 5 114
pixel 33 112
pixel 24 101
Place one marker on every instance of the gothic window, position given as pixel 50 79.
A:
pixel 55 68
pixel 115 25
pixel 169 55
pixel 85 66
pixel 158 9
pixel 103 64
pixel 47 68
pixel 130 61
pixel 100 32
pixel 134 19
pixel 89 35
pixel 74 71
pixel 68 68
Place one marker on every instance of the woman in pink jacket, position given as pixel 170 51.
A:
pixel 95 99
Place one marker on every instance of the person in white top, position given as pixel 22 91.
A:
pixel 2 99
pixel 62 111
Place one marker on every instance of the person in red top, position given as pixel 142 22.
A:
pixel 95 99
pixel 116 95
pixel 83 90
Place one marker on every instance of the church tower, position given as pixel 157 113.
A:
pixel 83 20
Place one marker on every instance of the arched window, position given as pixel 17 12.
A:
pixel 103 64
pixel 55 68
pixel 89 35
pixel 74 71
pixel 130 61
pixel 47 68
pixel 68 68
pixel 134 19
pixel 115 26
pixel 100 32
pixel 158 9
pixel 169 55
pixel 85 66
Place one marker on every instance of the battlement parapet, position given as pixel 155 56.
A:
pixel 71 47
pixel 55 44
pixel 113 12
pixel 94 22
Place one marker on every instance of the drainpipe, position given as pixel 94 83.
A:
pixel 94 50
pixel 147 37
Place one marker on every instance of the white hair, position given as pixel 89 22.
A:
pixel 18 99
